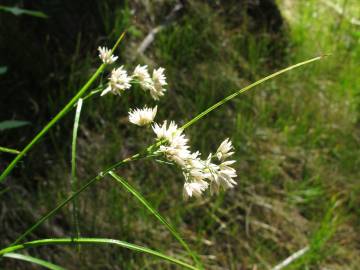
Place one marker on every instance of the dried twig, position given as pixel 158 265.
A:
pixel 341 12
pixel 151 36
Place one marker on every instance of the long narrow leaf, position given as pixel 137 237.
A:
pixel 74 183
pixel 31 259
pixel 247 88
pixel 98 241
pixel 20 11
pixel 153 211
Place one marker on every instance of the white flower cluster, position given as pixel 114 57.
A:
pixel 119 81
pixel 199 174
pixel 106 56
pixel 142 117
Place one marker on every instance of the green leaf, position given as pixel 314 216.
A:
pixel 34 260
pixel 99 241
pixel 8 124
pixel 19 11
pixel 153 211
pixel 3 70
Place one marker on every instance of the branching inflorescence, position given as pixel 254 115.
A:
pixel 214 172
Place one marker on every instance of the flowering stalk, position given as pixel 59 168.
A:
pixel 62 113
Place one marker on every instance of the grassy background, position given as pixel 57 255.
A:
pixel 296 137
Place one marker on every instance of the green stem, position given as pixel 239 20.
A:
pixel 153 211
pixel 9 150
pixel 53 121
pixel 99 241
pixel 95 91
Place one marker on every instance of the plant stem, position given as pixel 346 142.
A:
pixel 9 150
pixel 53 121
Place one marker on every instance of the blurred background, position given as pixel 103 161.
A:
pixel 296 137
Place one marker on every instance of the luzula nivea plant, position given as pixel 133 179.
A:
pixel 200 174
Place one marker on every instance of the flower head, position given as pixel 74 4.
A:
pixel 159 80
pixel 176 148
pixel 194 189
pixel 106 56
pixel 223 152
pixel 224 177
pixel 165 131
pixel 119 81
pixel 142 117
pixel 141 73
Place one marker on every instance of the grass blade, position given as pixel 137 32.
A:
pixel 98 241
pixel 9 150
pixel 20 11
pixel 31 259
pixel 53 121
pixel 73 178
pixel 247 88
pixel 153 211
